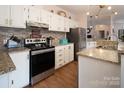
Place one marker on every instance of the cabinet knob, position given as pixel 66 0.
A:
pixel 60 55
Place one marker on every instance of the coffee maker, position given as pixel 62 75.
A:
pixel 49 41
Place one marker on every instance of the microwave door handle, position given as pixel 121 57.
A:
pixel 42 51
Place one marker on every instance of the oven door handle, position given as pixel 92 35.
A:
pixel 42 51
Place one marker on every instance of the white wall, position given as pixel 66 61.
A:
pixel 82 19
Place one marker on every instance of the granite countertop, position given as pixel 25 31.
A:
pixel 6 64
pixel 3 49
pixel 101 54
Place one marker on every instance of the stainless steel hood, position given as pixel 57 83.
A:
pixel 37 24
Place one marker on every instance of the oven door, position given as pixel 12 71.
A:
pixel 42 60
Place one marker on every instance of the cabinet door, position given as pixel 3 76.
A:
pixel 60 25
pixel 71 52
pixel 66 25
pixel 34 14
pixel 17 18
pixel 19 77
pixel 66 54
pixel 53 26
pixel 45 17
pixel 4 15
pixel 4 81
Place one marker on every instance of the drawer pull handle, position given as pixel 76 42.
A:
pixel 60 59
pixel 60 55
pixel 60 50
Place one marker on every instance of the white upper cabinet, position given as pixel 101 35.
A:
pixel 18 16
pixel 4 15
pixel 53 26
pixel 66 25
pixel 58 23
pixel 12 16
pixel 34 14
pixel 45 17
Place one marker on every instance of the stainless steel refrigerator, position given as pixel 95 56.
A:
pixel 78 37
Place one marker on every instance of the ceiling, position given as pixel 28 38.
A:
pixel 93 9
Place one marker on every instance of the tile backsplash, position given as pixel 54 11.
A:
pixel 6 32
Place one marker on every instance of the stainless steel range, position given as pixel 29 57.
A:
pixel 42 59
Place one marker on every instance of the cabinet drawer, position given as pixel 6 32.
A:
pixel 59 55
pixel 59 49
pixel 59 60
pixel 59 63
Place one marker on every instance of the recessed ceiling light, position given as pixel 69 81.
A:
pixel 109 7
pixel 115 13
pixel 88 13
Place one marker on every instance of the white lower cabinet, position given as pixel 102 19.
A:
pixel 71 52
pixel 19 77
pixel 66 54
pixel 4 80
pixel 63 55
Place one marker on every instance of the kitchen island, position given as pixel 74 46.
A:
pixel 98 68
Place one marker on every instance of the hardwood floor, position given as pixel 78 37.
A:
pixel 65 77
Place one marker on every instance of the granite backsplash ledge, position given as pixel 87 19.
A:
pixel 6 32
